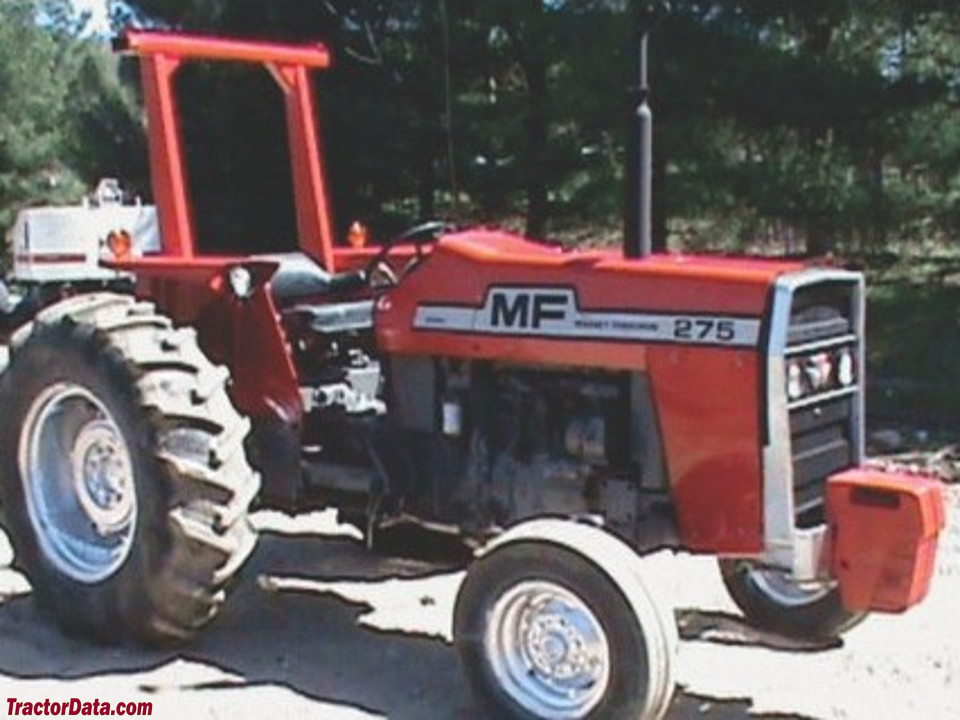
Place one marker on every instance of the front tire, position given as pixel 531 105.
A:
pixel 124 481
pixel 772 601
pixel 544 631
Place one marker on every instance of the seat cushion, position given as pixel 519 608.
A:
pixel 298 276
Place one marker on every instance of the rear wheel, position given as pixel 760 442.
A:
pixel 771 600
pixel 125 485
pixel 544 631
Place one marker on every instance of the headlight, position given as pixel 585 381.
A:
pixel 819 370
pixel 241 281
pixel 846 373
pixel 794 380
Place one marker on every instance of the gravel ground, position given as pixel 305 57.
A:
pixel 373 643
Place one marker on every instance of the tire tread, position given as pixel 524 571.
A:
pixel 174 386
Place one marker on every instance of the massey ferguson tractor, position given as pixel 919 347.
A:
pixel 565 412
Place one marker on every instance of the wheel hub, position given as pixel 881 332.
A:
pixel 549 650
pixel 78 482
pixel 558 649
pixel 102 476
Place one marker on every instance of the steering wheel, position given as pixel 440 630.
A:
pixel 378 271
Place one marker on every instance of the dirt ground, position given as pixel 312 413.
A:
pixel 318 628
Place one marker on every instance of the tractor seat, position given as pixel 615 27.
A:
pixel 299 277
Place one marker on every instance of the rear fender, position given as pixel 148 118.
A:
pixel 267 386
pixel 243 333
pixel 266 380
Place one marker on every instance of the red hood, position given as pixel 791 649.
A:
pixel 495 246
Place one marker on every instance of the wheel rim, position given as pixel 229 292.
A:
pixel 548 650
pixel 782 589
pixel 78 483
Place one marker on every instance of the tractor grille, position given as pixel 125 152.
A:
pixel 824 385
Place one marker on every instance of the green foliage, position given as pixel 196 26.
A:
pixel 105 134
pixel 32 111
pixel 808 125
pixel 65 119
pixel 913 335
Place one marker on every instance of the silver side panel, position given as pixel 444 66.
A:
pixel 798 550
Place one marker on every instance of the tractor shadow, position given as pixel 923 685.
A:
pixel 318 616
pixel 725 628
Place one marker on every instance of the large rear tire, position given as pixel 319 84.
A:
pixel 557 624
pixel 772 601
pixel 124 481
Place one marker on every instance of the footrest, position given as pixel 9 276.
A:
pixel 338 317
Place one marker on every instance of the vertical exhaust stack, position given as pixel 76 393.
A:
pixel 638 220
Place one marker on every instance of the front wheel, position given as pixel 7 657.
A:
pixel 544 631
pixel 771 600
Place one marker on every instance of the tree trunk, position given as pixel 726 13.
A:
pixel 537 151
pixel 426 175
pixel 819 241
pixel 533 62
pixel 659 223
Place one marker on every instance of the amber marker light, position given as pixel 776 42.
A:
pixel 358 235
pixel 120 244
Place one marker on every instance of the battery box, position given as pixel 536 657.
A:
pixel 883 529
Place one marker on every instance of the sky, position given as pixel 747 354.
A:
pixel 98 23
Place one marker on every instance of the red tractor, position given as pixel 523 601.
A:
pixel 563 411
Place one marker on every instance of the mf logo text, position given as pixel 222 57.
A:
pixel 527 309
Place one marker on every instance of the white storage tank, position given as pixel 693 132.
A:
pixel 66 243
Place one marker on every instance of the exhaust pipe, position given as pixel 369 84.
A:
pixel 638 220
